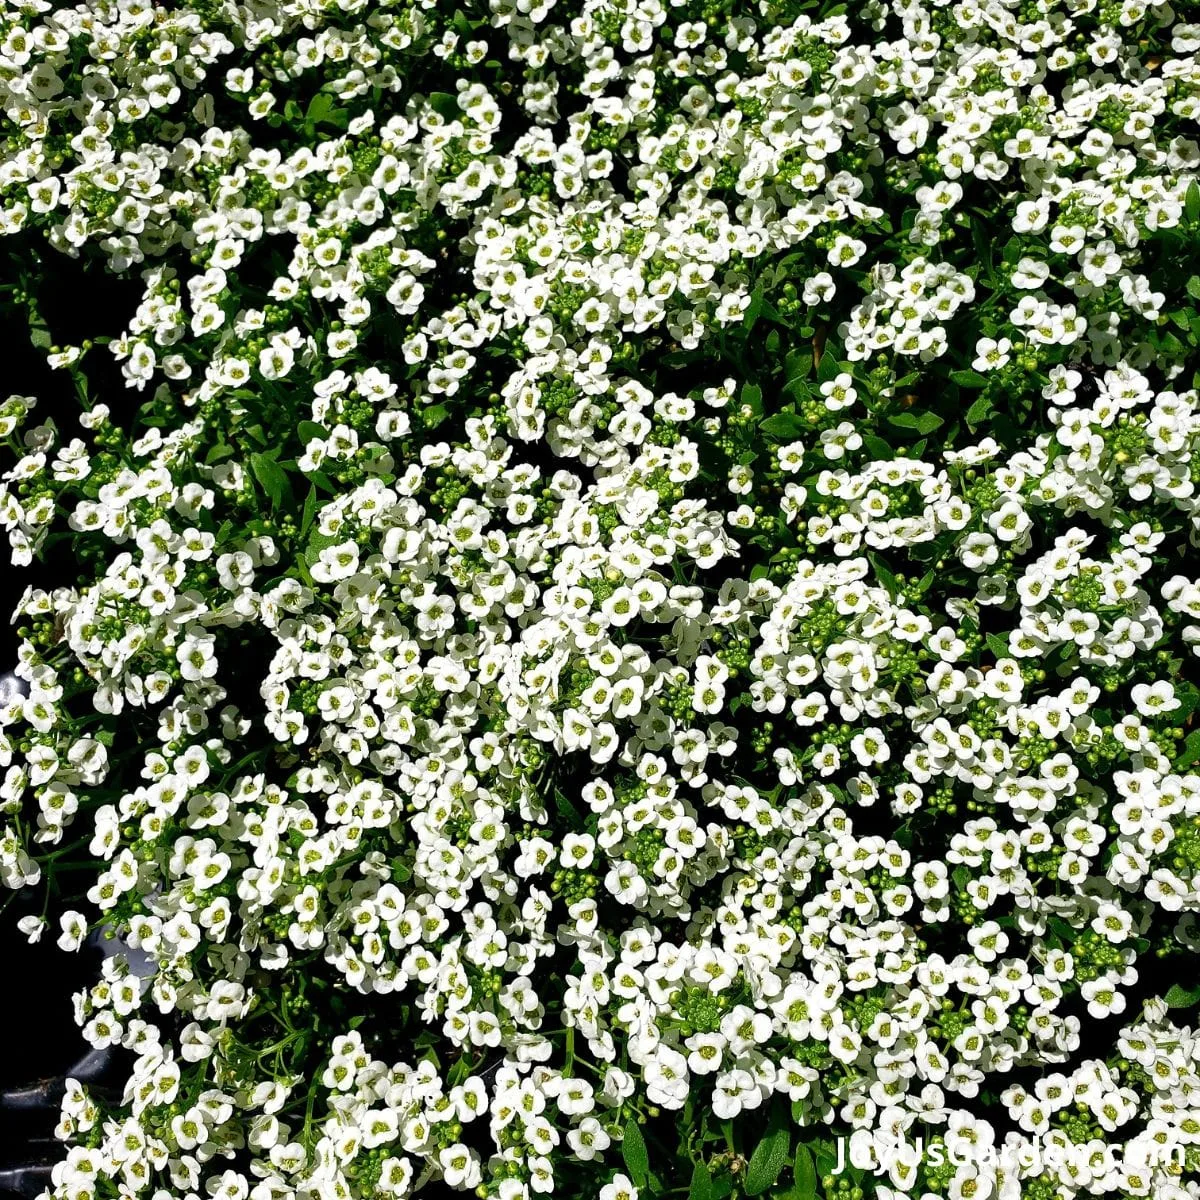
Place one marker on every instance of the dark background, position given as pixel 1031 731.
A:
pixel 76 299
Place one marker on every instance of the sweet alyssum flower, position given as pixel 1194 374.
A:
pixel 621 595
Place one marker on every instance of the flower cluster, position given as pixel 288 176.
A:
pixel 647 594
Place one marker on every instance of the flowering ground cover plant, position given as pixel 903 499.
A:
pixel 633 623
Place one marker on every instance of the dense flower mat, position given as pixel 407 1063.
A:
pixel 642 620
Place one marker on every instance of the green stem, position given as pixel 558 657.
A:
pixel 727 1130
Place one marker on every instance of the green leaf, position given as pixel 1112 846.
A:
pixel 828 368
pixel 885 576
pixel 805 1172
pixel 1179 997
pixel 434 415
pixel 969 379
pixel 702 1184
pixel 633 1151
pixel 1169 344
pixel 998 646
pixel 307 430
pixel 722 1187
pixel 983 250
pixel 318 107
pixel 797 388
pixel 316 543
pixel 1191 201
pixel 310 511
pixel 1189 755
pixel 1193 287
pixel 979 411
pixel 1189 700
pixel 766 1162
pixel 876 447
pixel 322 111
pixel 445 105
pixel 923 423
pixel 271 477
pixel 771 312
pixel 923 584
pixel 791 264
pixel 567 810
pixel 797 364
pixel 752 396
pixel 784 426
pixel 825 1156
pixel 753 309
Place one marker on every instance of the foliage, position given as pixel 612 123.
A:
pixel 631 624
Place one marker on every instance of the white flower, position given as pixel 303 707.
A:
pixel 1010 521
pixel 336 562
pixel 276 361
pixel 731 1092
pixel 839 392
pixel 33 927
pixel 620 1188
pixel 991 354
pixel 74 929
pixel 1102 998
pixel 870 747
pixel 460 1166
pixel 1155 698
pixel 196 657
